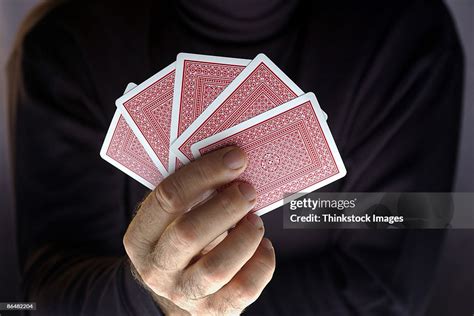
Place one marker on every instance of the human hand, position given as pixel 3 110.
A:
pixel 178 245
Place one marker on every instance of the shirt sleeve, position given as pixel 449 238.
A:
pixel 71 212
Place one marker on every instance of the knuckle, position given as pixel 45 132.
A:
pixel 177 297
pixel 129 246
pixel 228 305
pixel 228 202
pixel 132 246
pixel 134 243
pixel 252 294
pixel 201 282
pixel 127 243
pixel 212 272
pixel 184 233
pixel 206 171
pixel 154 280
pixel 217 307
pixel 149 277
pixel 162 258
pixel 267 264
pixel 249 238
pixel 168 195
pixel 247 290
pixel 192 288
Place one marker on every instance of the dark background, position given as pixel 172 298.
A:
pixel 454 286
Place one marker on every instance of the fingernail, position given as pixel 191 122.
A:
pixel 255 220
pixel 234 159
pixel 267 243
pixel 247 191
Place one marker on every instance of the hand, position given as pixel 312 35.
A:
pixel 185 258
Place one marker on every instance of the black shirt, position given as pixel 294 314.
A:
pixel 388 74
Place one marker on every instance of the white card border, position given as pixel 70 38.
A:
pixel 119 103
pixel 271 113
pixel 106 145
pixel 225 94
pixel 180 58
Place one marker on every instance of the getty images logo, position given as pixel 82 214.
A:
pixel 313 204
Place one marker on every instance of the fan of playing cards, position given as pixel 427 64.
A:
pixel 201 103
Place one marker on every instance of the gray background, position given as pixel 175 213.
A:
pixel 11 14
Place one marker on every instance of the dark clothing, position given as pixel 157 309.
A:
pixel 388 74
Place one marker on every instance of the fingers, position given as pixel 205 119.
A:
pixel 249 282
pixel 214 243
pixel 186 188
pixel 218 267
pixel 180 245
pixel 190 233
pixel 179 192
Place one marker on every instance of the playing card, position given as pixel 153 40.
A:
pixel 122 149
pixel 261 86
pixel 290 150
pixel 147 110
pixel 199 80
